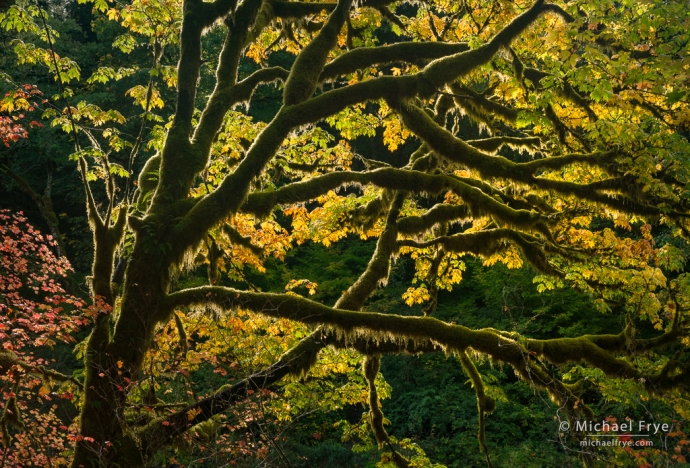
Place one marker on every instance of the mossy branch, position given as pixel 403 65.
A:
pixel 238 239
pixel 211 11
pixel 370 368
pixel 301 357
pixel 295 10
pixel 194 19
pixel 305 72
pixel 485 404
pixel 8 359
pixel 411 52
pixel 479 107
pixel 491 145
pixel 182 160
pixel 227 197
pixel 434 76
pixel 400 329
pixel 456 150
pixel 488 242
pixel 296 361
pixel 223 99
pixel 619 202
pixel 378 267
pixel 92 213
pixel 442 71
pixel 106 239
pixel 479 203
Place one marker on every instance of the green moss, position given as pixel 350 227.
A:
pixel 7 360
pixel 149 177
pixel 305 72
pixel 485 404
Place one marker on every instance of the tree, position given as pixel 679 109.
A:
pixel 35 312
pixel 11 130
pixel 595 95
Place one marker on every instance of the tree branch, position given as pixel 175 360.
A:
pixel 301 110
pixel 215 10
pixel 412 52
pixel 305 72
pixel 438 214
pixel 353 325
pixel 302 356
pixel 489 242
pixel 294 10
pixel 479 203
pixel 446 70
pixel 223 100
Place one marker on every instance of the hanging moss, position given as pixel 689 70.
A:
pixel 485 404
pixel 148 178
pixel 410 52
pixel 491 145
pixel 370 367
pixel 445 70
pixel 479 108
pixel 440 213
pixel 378 267
pixel 182 334
pixel 488 242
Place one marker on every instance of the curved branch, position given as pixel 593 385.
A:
pixel 261 204
pixel 298 360
pixel 302 356
pixel 456 150
pixel 364 57
pixel 485 404
pixel 305 72
pixel 441 213
pixel 491 145
pixel 223 100
pixel 479 107
pixel 489 242
pixel 231 193
pixel 352 325
pixel 189 63
pixel 442 71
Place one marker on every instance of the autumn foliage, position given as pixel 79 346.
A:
pixel 35 312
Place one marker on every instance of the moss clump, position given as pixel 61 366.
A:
pixel 7 360
pixel 148 178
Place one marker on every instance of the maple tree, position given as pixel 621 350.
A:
pixel 35 311
pixel 16 105
pixel 586 111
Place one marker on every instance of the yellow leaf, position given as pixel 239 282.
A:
pixel 193 413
